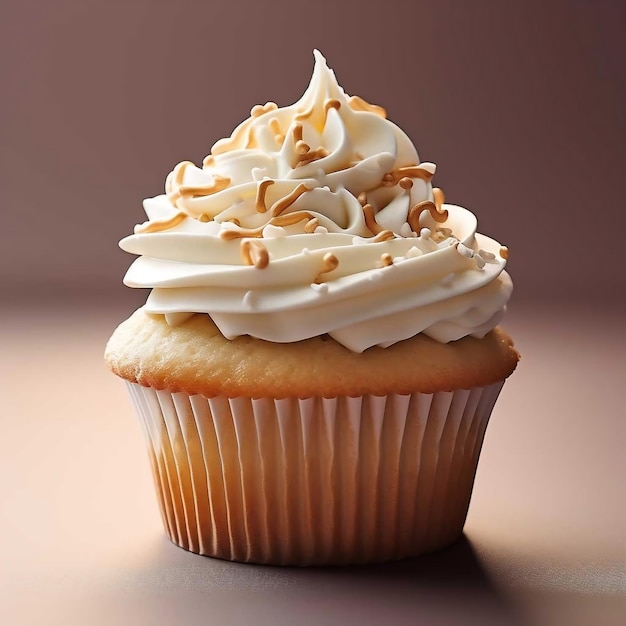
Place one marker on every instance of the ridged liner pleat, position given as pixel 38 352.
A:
pixel 314 481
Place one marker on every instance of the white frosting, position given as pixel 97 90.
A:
pixel 439 278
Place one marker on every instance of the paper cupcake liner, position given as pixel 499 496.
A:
pixel 314 481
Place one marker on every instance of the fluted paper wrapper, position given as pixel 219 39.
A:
pixel 314 481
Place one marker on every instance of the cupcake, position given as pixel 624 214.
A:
pixel 319 355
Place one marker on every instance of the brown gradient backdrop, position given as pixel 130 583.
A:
pixel 522 106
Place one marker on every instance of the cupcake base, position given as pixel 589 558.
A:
pixel 314 481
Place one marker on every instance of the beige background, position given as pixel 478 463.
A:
pixel 523 107
pixel 521 104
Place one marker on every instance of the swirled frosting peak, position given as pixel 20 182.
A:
pixel 317 218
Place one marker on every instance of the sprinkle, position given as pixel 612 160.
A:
pixel 480 262
pixel 320 287
pixel 422 171
pixel 203 217
pixel 504 252
pixel 311 225
pixel 370 222
pixel 274 126
pixel 385 260
pixel 332 103
pixel 439 197
pixel 362 198
pixel 248 299
pixel 296 131
pixel 254 253
pixel 321 230
pixel 302 147
pixel 157 225
pixel 290 218
pixel 358 104
pixel 311 155
pixel 405 182
pixel 258 110
pixel 487 256
pixel 383 235
pixel 234 233
pixel 463 250
pixel 329 263
pixel 425 233
pixel 388 180
pixel 280 205
pixel 260 195
pixel 425 205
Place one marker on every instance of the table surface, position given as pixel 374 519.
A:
pixel 81 537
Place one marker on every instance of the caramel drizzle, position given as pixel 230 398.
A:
pixel 158 225
pixel 280 205
pixel 329 263
pixel 425 205
pixel 254 253
pixel 260 195
pixel 358 104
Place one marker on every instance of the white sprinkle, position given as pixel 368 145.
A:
pixel 425 233
pixel 480 262
pixel 488 256
pixel 248 299
pixel 320 230
pixel 413 252
pixel 320 287
pixel 463 250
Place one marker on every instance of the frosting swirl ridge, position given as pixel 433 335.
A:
pixel 317 218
